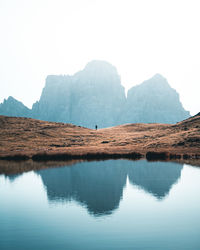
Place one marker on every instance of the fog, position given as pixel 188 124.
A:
pixel 141 38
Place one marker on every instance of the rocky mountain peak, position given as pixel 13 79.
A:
pixel 11 100
pixel 157 81
pixel 158 77
pixel 100 66
pixel 13 107
pixel 154 101
pixel 95 96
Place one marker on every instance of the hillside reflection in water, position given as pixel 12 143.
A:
pixel 99 185
pixel 114 204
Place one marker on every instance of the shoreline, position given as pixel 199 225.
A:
pixel 96 156
pixel 95 153
pixel 24 139
pixel 13 167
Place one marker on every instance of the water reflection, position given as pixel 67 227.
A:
pixel 13 177
pixel 99 185
pixel 155 178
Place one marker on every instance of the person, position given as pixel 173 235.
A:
pixel 96 127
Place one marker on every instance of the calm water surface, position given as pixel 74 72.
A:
pixel 115 204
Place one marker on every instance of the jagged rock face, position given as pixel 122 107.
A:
pixel 12 107
pixel 153 101
pixel 92 96
pixel 95 96
pixel 55 101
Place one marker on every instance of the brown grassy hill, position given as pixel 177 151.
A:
pixel 33 138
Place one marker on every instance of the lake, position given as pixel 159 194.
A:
pixel 113 204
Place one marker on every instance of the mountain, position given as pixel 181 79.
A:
pixel 153 101
pixel 55 100
pixel 12 107
pixel 95 95
pixel 92 96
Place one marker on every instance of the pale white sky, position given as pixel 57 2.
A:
pixel 140 37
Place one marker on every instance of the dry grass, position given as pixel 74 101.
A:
pixel 23 138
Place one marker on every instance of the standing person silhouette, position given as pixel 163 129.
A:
pixel 96 127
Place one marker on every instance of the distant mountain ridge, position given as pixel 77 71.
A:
pixel 95 95
pixel 12 107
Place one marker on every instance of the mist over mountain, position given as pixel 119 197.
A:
pixel 95 96
pixel 55 100
pixel 12 107
pixel 153 101
pixel 92 96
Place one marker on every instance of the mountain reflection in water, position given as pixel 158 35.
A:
pixel 99 185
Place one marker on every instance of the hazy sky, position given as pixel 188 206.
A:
pixel 140 37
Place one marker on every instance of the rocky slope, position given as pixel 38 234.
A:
pixel 92 96
pixel 95 96
pixel 153 101
pixel 55 100
pixel 12 107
